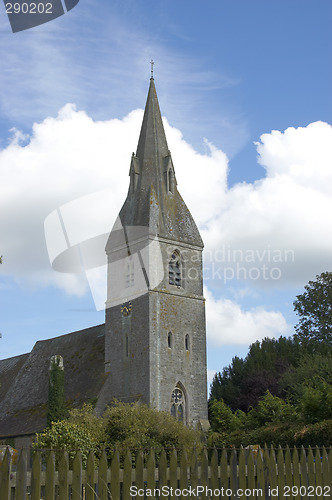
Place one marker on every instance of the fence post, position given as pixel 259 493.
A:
pixel 115 476
pixel 281 470
pixel 273 469
pixel 126 477
pixel 251 473
pixel 234 484
pixel 50 477
pixel 139 473
pixel 311 468
pixel 304 472
pixel 318 468
pixel 151 465
pixel 224 469
pixel 90 477
pixel 77 477
pixel 63 476
pixel 214 482
pixel 242 470
pixel 163 470
pixel 21 476
pixel 204 473
pixel 36 476
pixel 173 472
pixel 260 472
pixel 183 473
pixel 267 470
pixel 288 469
pixel 325 468
pixel 194 469
pixel 102 477
pixel 296 473
pixel 5 471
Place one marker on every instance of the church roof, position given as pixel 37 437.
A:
pixel 153 199
pixel 24 379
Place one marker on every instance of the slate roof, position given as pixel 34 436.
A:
pixel 24 379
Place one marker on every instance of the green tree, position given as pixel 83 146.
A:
pixel 226 386
pixel 314 307
pixel 316 403
pixel 241 384
pixel 271 409
pixel 222 419
pixel 311 370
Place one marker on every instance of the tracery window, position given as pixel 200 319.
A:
pixel 175 269
pixel 178 404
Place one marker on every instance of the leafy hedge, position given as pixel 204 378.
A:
pixel 319 434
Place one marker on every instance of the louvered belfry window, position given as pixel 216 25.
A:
pixel 175 269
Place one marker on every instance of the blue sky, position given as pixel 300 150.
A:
pixel 244 87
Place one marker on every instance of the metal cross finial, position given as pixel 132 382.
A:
pixel 152 64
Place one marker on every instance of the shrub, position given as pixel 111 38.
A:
pixel 319 434
pixel 136 426
pixel 70 436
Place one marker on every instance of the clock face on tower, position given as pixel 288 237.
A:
pixel 126 309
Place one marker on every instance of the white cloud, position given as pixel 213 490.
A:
pixel 227 323
pixel 284 219
pixel 302 154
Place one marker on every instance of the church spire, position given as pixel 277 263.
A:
pixel 152 144
pixel 153 200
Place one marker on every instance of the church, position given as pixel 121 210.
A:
pixel 152 347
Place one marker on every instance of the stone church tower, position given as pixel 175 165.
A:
pixel 155 336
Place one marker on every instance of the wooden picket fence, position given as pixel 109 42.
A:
pixel 212 474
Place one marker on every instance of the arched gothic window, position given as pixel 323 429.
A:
pixel 170 340
pixel 175 269
pixel 187 342
pixel 178 404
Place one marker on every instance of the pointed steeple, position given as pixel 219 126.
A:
pixel 153 199
pixel 152 144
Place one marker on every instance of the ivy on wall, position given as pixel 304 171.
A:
pixel 56 395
